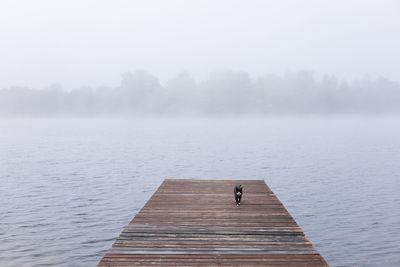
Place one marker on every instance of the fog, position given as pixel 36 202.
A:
pixel 223 93
pixel 198 57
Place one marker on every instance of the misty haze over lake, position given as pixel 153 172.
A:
pixel 223 93
pixel 201 58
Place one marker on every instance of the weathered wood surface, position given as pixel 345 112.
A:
pixel 197 223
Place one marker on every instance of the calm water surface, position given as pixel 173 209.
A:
pixel 69 186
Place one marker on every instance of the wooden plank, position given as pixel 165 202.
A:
pixel 197 223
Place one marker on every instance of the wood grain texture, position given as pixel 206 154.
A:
pixel 197 223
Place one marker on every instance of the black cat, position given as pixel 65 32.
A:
pixel 238 192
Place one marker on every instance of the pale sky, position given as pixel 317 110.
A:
pixel 76 43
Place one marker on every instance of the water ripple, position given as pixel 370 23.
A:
pixel 67 190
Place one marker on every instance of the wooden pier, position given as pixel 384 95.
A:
pixel 197 223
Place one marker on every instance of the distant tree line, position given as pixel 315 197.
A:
pixel 228 92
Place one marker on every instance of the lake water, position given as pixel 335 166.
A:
pixel 69 186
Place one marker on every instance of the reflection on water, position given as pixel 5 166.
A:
pixel 69 186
